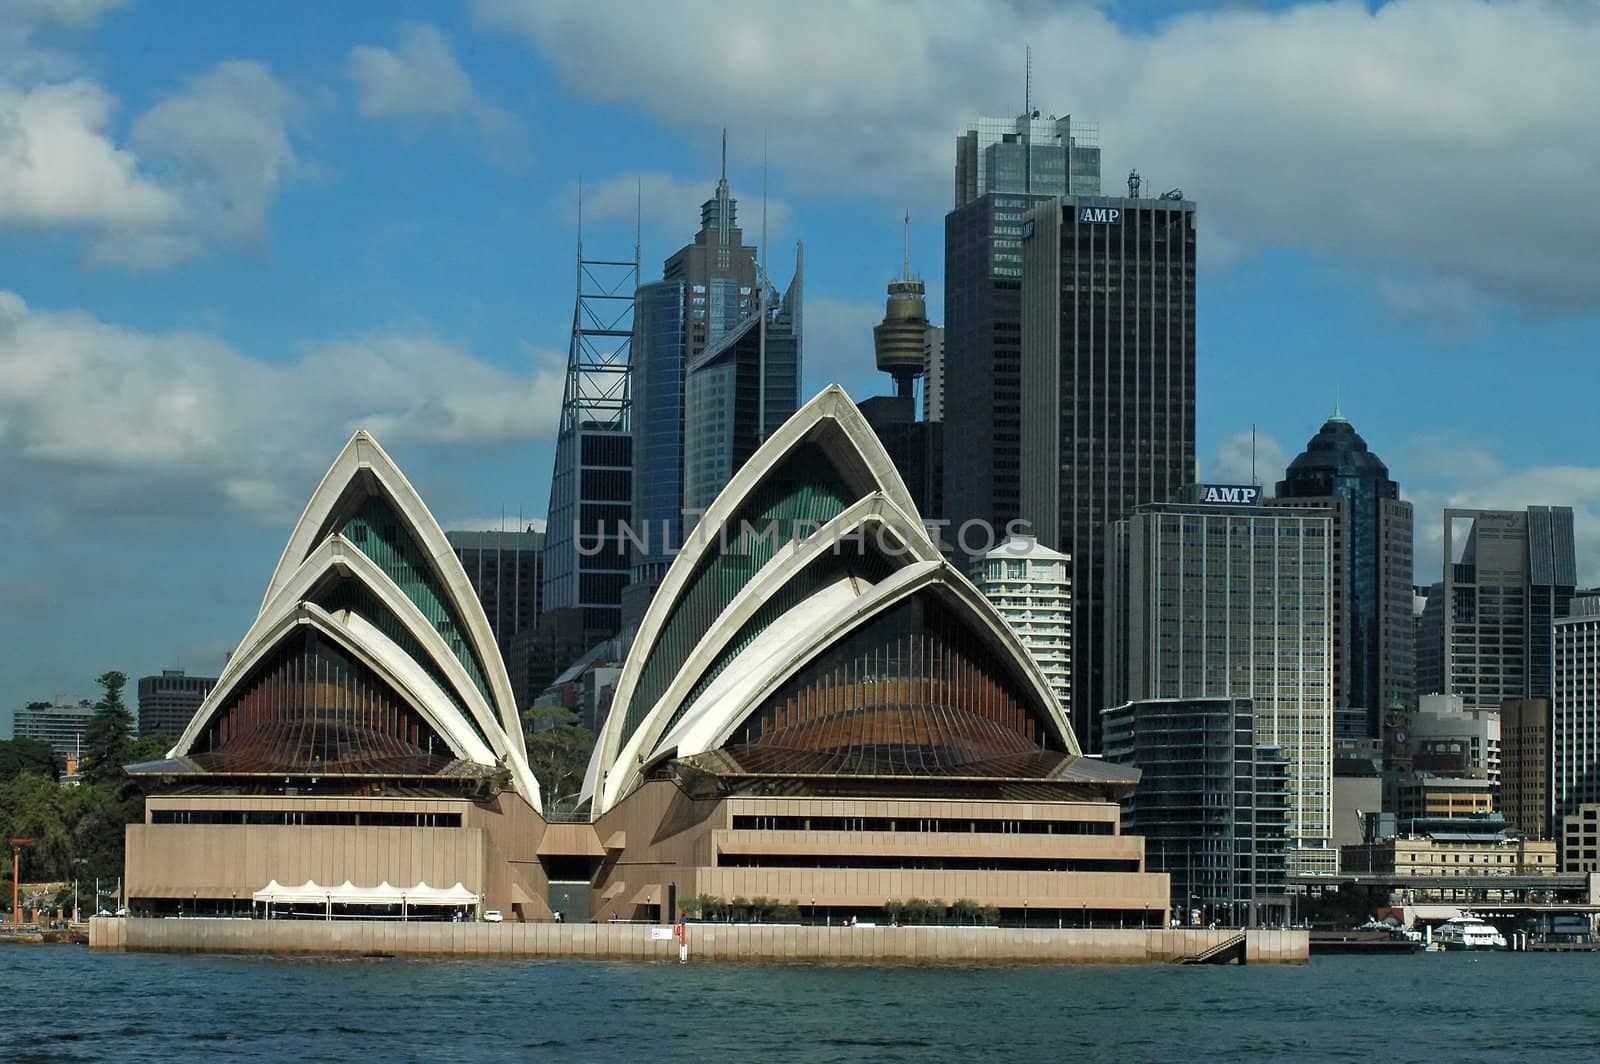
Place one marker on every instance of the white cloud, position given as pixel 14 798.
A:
pixel 98 418
pixel 227 140
pixel 70 14
pixel 59 167
pixel 201 167
pixel 1440 135
pixel 1449 309
pixel 419 79
pixel 420 83
pixel 1234 461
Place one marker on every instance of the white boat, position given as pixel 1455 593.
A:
pixel 1468 932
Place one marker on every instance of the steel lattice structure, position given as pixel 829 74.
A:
pixel 591 486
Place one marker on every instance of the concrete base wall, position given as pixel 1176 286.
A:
pixel 707 942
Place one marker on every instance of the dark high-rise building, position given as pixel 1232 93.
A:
pixel 1430 639
pixel 1374 629
pixel 1212 804
pixel 659 346
pixel 504 569
pixel 1552 584
pixel 740 390
pixel 1004 167
pixel 912 446
pixel 586 553
pixel 1525 764
pixel 168 702
pixel 1107 352
pixel 1515 576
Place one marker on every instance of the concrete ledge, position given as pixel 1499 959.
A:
pixel 707 942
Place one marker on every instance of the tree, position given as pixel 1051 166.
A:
pixel 150 748
pixel 108 737
pixel 27 755
pixel 558 753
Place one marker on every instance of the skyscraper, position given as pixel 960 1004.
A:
pixel 1107 414
pixel 167 702
pixel 1003 168
pixel 504 569
pixel 933 375
pixel 1575 712
pixel 660 339
pixel 1234 602
pixel 586 557
pixel 1210 803
pixel 1373 623
pixel 1031 587
pixel 697 333
pixel 1525 764
pixel 1515 575
pixel 739 390
pixel 1430 639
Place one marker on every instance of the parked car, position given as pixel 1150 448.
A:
pixel 493 916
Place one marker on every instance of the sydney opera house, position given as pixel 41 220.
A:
pixel 817 708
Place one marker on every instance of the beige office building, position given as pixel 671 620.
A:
pixel 1234 601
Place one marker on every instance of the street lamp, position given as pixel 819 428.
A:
pixel 16 879
pixel 1024 913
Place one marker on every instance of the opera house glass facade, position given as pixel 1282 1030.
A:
pixel 817 709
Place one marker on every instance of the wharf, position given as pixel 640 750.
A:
pixel 708 942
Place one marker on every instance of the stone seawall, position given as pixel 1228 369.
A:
pixel 707 942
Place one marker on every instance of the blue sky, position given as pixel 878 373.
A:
pixel 229 236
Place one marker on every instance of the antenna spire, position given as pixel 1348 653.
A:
pixel 763 204
pixel 906 266
pixel 724 153
pixel 1027 86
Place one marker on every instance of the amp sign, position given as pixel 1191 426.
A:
pixel 1101 215
pixel 1230 494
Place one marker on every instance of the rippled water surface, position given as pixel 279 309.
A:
pixel 66 1004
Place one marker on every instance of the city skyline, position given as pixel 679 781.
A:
pixel 292 227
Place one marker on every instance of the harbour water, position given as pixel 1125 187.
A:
pixel 61 1004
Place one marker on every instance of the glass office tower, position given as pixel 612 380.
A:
pixel 1374 626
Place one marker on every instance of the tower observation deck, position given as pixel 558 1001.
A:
pixel 901 339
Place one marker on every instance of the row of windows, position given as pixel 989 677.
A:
pixel 938 825
pixel 306 818
pixel 930 864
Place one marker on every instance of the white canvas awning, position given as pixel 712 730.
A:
pixel 347 893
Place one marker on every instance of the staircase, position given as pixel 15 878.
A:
pixel 1229 951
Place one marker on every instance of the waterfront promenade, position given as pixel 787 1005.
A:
pixel 708 942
